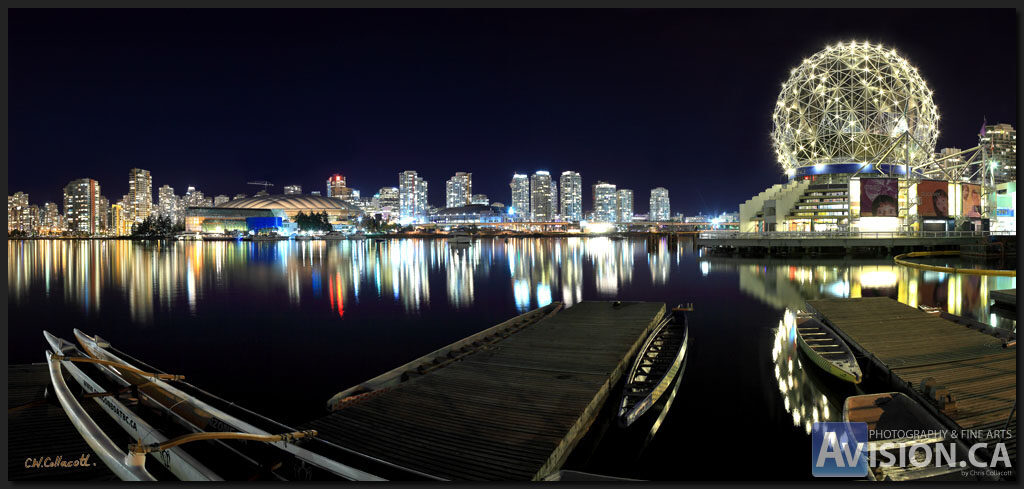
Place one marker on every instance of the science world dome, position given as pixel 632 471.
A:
pixel 850 104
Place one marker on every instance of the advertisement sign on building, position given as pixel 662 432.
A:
pixel 933 198
pixel 878 197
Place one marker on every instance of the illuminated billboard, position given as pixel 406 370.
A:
pixel 972 200
pixel 933 198
pixel 878 197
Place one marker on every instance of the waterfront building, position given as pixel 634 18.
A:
pixel 167 203
pixel 220 199
pixel 17 206
pixel 120 224
pixel 571 205
pixel 540 197
pixel 52 222
pixel 480 199
pixel 276 211
pixel 412 196
pixel 140 193
pixel 520 203
pixel 606 202
pixel 193 198
pixel 337 188
pixel 1006 207
pixel 823 146
pixel 81 206
pixel 459 190
pixel 387 203
pixel 624 205
pixel 659 205
pixel 295 189
pixel 468 214
pixel 103 205
pixel 554 200
pixel 999 149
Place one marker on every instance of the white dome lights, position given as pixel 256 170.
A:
pixel 849 103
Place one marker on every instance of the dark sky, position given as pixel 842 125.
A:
pixel 640 98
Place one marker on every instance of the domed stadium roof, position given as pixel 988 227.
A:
pixel 291 202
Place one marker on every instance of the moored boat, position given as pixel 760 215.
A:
pixel 660 360
pixel 827 350
pixel 217 432
pixel 459 238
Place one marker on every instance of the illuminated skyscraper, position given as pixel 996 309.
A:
pixel 140 193
pixel 220 199
pixel 659 209
pixel 387 202
pixel 297 189
pixel 999 150
pixel 168 204
pixel 17 207
pixel 480 199
pixel 605 202
pixel 625 205
pixel 459 190
pixel 412 196
pixel 103 206
pixel 337 188
pixel 572 196
pixel 81 206
pixel 520 196
pixel 52 222
pixel 540 197
pixel 119 223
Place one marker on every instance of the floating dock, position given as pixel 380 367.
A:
pixel 1005 297
pixel 38 430
pixel 509 403
pixel 972 376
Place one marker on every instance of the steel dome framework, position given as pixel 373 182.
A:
pixel 854 103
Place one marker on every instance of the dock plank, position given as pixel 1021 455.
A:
pixel 512 410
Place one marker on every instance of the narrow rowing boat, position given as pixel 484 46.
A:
pixel 659 362
pixel 827 350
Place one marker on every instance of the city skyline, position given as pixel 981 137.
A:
pixel 611 121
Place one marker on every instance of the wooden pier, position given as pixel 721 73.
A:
pixel 39 430
pixel 967 378
pixel 510 406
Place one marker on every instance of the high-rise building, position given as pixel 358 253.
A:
pixel 120 225
pixel 81 206
pixel 193 198
pixel 386 202
pixel 659 209
pixel 103 205
pixel 220 199
pixel 520 196
pixel 52 223
pixel 17 207
pixel 480 199
pixel 554 200
pixel 572 196
pixel 625 205
pixel 458 190
pixel 297 189
pixel 605 202
pixel 412 196
pixel 999 149
pixel 140 193
pixel 337 187
pixel 167 203
pixel 540 197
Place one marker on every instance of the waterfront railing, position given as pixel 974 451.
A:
pixel 728 234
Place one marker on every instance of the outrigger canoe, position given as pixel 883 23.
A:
pixel 170 412
pixel 827 350
pixel 660 361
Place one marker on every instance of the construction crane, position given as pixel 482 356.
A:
pixel 263 183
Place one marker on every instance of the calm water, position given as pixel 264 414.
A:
pixel 282 326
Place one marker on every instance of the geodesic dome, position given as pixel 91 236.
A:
pixel 848 104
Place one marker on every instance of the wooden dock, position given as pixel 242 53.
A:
pixel 510 409
pixel 38 430
pixel 1005 297
pixel 908 346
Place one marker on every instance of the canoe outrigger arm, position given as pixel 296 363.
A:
pixel 118 365
pixel 139 449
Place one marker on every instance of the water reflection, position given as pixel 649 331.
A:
pixel 526 272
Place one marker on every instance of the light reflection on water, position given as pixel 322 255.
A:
pixel 341 274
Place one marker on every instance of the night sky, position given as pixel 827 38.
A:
pixel 640 98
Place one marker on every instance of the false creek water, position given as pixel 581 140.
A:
pixel 281 326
